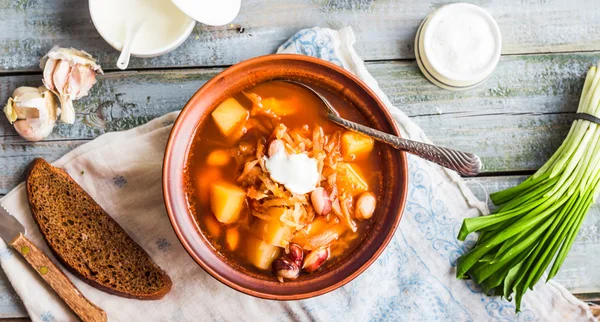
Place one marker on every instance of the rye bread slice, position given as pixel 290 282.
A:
pixel 86 240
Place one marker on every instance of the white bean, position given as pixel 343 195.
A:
pixel 365 205
pixel 321 201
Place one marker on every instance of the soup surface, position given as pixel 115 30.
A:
pixel 276 187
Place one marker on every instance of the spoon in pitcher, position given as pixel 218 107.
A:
pixel 466 164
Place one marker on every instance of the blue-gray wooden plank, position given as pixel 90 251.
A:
pixel 384 29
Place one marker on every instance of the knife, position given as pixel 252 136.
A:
pixel 13 233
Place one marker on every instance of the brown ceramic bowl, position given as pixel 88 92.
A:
pixel 337 82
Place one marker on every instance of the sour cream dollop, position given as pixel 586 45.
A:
pixel 297 172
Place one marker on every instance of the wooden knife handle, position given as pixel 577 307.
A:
pixel 85 309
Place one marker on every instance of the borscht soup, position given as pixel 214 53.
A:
pixel 276 187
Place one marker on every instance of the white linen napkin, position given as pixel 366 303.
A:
pixel 414 279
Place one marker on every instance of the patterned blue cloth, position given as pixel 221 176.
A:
pixel 413 280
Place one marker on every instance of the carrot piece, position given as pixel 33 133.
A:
pixel 232 238
pixel 281 107
pixel 212 226
pixel 205 179
pixel 218 158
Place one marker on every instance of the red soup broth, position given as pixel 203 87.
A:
pixel 214 157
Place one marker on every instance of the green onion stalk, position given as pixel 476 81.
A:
pixel 537 221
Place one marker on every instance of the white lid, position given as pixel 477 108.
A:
pixel 210 12
pixel 462 43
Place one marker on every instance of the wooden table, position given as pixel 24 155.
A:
pixel 514 121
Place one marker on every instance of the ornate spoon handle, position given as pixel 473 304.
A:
pixel 466 164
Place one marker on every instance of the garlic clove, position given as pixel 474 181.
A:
pixel 70 74
pixel 24 90
pixel 32 129
pixel 60 76
pixel 23 96
pixel 33 112
pixel 51 105
pixel 89 80
pixel 50 65
pixel 73 86
pixel 29 99
pixel 67 114
pixel 81 80
pixel 73 56
pixel 24 130
pixel 10 111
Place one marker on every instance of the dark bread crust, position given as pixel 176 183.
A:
pixel 134 270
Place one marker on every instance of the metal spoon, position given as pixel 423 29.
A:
pixel 466 164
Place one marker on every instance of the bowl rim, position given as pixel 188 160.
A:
pixel 402 182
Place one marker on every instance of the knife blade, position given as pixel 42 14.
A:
pixel 13 233
pixel 10 227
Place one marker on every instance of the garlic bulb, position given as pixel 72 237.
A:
pixel 70 74
pixel 32 111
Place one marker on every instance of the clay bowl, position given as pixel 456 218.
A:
pixel 336 81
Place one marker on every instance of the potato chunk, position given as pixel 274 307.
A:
pixel 350 179
pixel 260 253
pixel 273 232
pixel 226 201
pixel 229 115
pixel 356 146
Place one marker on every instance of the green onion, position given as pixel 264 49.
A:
pixel 537 221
